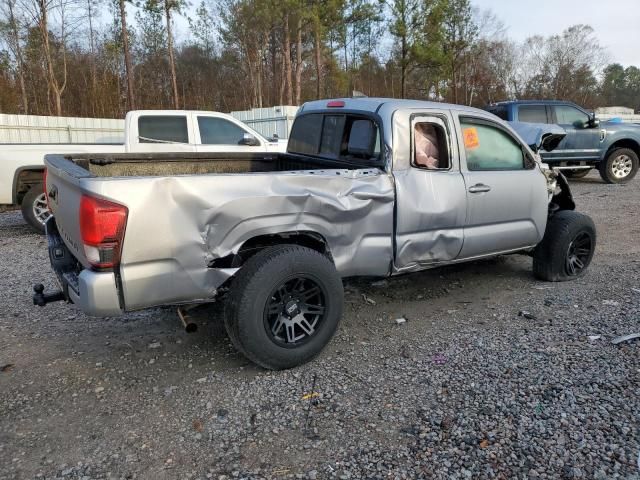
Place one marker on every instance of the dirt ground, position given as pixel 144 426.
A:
pixel 467 387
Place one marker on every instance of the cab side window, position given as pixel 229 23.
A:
pixel 532 114
pixel 430 147
pixel 568 115
pixel 490 148
pixel 163 129
pixel 218 131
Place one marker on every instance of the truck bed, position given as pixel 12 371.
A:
pixel 189 214
pixel 170 164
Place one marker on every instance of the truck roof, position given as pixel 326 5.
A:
pixel 177 112
pixel 372 104
pixel 530 102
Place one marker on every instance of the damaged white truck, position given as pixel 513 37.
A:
pixel 367 187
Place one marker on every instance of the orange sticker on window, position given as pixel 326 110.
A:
pixel 471 139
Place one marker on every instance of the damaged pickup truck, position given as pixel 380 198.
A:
pixel 367 187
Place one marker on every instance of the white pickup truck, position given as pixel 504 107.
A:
pixel 146 131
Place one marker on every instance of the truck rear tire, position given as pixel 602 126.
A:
pixel 620 166
pixel 34 208
pixel 284 306
pixel 567 247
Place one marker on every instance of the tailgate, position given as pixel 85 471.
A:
pixel 64 191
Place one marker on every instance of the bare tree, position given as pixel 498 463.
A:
pixel 286 52
pixel 128 64
pixel 14 42
pixel 299 58
pixel 169 7
pixel 41 12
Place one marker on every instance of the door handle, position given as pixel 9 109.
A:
pixel 479 188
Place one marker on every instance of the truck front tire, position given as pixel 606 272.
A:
pixel 567 247
pixel 284 306
pixel 34 208
pixel 620 166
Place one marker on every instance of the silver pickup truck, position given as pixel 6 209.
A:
pixel 367 187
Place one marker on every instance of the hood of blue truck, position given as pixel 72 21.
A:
pixel 539 136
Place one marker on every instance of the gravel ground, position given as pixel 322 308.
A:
pixel 466 388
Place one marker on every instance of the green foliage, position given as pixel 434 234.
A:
pixel 203 29
pixel 621 86
pixel 152 32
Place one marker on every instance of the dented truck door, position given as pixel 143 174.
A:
pixel 431 199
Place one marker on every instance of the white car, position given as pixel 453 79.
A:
pixel 153 131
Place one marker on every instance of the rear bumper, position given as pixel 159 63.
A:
pixel 95 293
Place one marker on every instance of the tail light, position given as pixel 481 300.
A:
pixel 102 225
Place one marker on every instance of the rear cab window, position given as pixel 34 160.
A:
pixel 344 137
pixel 163 129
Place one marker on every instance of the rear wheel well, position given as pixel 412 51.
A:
pixel 624 143
pixel 24 180
pixel 308 239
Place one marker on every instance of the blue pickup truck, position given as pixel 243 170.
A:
pixel 612 148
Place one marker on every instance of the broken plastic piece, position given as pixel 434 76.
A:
pixel 625 338
pixel 368 300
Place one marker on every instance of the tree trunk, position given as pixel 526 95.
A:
pixel 286 51
pixel 299 60
pixel 127 57
pixel 94 74
pixel 282 82
pixel 51 77
pixel 15 39
pixel 172 63
pixel 317 47
pixel 346 64
pixel 403 67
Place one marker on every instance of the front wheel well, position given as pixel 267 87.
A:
pixel 249 248
pixel 562 198
pixel 624 143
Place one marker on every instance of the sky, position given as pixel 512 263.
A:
pixel 616 22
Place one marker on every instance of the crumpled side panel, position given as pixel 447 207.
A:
pixel 196 219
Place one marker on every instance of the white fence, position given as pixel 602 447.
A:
pixel 269 121
pixel 42 129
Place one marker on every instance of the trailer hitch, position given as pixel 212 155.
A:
pixel 41 299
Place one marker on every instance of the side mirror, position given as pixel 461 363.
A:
pixel 249 140
pixel 550 141
pixel 594 122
